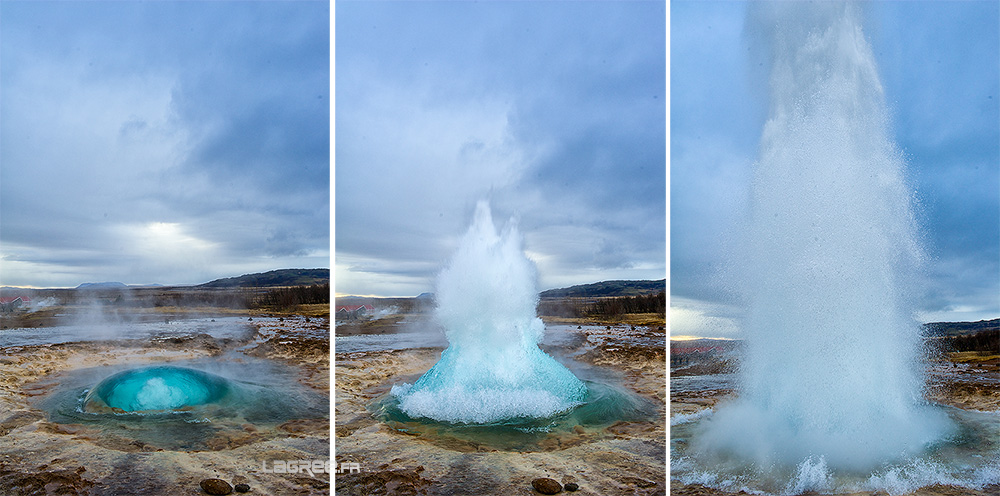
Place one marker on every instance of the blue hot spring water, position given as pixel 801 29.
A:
pixel 183 405
pixel 492 370
pixel 163 388
pixel 831 382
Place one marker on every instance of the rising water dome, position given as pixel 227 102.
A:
pixel 831 369
pixel 492 370
pixel 160 388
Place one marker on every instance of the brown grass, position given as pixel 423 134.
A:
pixel 971 357
pixel 318 310
pixel 636 319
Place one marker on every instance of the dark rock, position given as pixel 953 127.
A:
pixel 545 485
pixel 242 488
pixel 216 486
pixel 572 486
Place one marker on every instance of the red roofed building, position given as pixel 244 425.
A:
pixel 686 355
pixel 350 312
pixel 8 304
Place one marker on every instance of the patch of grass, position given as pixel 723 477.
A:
pixel 41 318
pixel 636 319
pixel 199 310
pixel 314 310
pixel 971 356
pixel 311 310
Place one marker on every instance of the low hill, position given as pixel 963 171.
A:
pixel 608 288
pixel 283 277
pixel 938 329
pixel 102 285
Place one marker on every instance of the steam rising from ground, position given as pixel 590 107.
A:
pixel 492 369
pixel 830 374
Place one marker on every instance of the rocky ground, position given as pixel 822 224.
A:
pixel 624 458
pixel 954 379
pixel 42 457
pixel 967 384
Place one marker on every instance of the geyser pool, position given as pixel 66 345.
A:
pixel 159 388
pixel 493 369
pixel 830 381
pixel 602 405
pixel 185 405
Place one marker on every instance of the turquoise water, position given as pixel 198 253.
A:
pixel 601 406
pixel 161 388
pixel 187 405
pixel 492 370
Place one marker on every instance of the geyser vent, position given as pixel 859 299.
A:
pixel 156 389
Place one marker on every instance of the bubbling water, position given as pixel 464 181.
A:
pixel 161 388
pixel 830 375
pixel 182 406
pixel 492 369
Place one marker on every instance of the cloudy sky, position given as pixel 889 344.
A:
pixel 939 67
pixel 552 111
pixel 162 142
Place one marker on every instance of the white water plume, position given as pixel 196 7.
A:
pixel 831 248
pixel 492 369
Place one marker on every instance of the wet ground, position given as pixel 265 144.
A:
pixel 972 386
pixel 44 454
pixel 621 458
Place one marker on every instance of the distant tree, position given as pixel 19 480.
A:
pixel 985 341
pixel 653 303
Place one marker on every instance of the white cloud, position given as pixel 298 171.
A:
pixel 689 317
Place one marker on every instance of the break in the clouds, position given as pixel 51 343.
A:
pixel 553 111
pixel 162 142
pixel 938 62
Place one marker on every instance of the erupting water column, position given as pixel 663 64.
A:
pixel 492 370
pixel 830 377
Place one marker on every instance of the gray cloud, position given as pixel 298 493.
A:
pixel 162 142
pixel 939 67
pixel 554 112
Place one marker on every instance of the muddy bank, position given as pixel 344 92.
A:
pixel 40 456
pixel 623 458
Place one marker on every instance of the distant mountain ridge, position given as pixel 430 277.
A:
pixel 608 288
pixel 102 285
pixel 959 328
pixel 281 277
